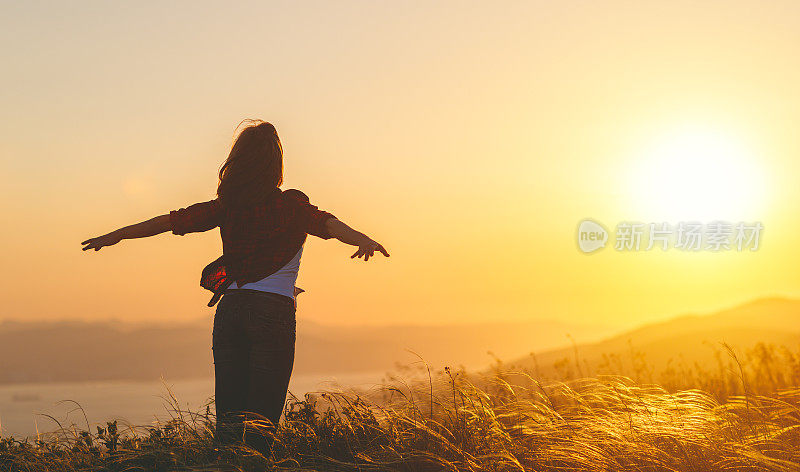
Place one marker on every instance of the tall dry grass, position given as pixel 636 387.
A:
pixel 501 421
pixel 760 369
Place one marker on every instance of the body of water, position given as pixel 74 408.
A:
pixel 23 406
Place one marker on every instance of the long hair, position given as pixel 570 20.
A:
pixel 254 167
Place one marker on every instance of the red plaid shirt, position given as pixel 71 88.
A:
pixel 257 240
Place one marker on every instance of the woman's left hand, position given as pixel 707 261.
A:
pixel 109 239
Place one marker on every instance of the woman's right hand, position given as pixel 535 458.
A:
pixel 366 245
pixel 368 248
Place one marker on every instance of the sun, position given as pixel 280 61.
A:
pixel 698 174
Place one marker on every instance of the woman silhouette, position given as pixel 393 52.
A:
pixel 263 230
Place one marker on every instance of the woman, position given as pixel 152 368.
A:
pixel 263 230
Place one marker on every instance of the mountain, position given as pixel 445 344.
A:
pixel 688 338
pixel 84 351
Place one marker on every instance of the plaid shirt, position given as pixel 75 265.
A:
pixel 257 240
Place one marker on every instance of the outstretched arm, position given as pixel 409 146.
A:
pixel 151 227
pixel 347 235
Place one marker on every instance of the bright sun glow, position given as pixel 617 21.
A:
pixel 698 174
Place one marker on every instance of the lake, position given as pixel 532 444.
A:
pixel 131 402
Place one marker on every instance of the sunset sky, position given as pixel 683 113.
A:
pixel 469 138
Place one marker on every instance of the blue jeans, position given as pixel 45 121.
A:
pixel 253 343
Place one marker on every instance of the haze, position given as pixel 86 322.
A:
pixel 469 139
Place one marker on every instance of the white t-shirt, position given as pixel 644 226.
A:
pixel 282 281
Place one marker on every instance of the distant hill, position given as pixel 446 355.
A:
pixel 689 338
pixel 83 351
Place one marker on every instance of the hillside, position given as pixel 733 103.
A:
pixel 83 351
pixel 686 339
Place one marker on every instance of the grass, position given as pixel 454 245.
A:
pixel 741 415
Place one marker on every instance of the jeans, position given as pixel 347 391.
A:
pixel 253 343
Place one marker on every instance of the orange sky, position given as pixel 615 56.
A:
pixel 469 139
